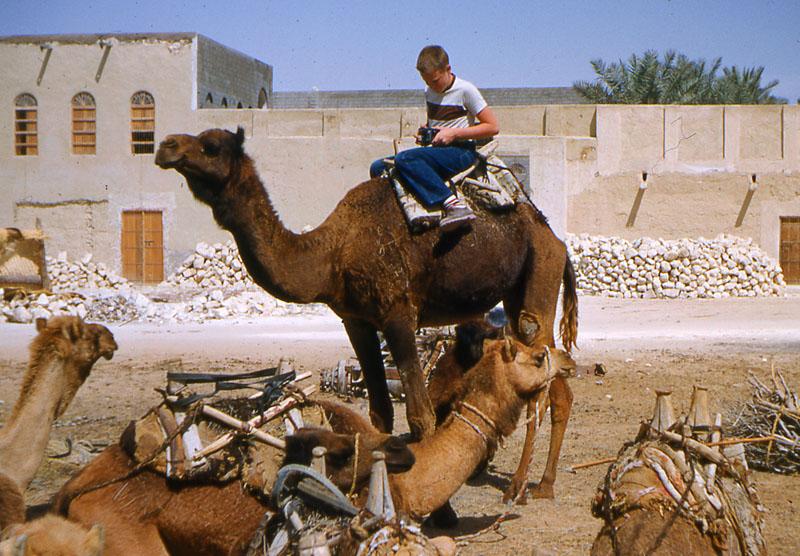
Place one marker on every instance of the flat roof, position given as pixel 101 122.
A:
pixel 95 37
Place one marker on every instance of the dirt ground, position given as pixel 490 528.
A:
pixel 643 344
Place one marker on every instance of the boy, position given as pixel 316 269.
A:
pixel 457 110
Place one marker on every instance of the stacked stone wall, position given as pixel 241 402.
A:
pixel 727 266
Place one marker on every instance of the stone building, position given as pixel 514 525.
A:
pixel 84 114
pixel 87 112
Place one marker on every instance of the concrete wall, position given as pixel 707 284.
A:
pixel 700 162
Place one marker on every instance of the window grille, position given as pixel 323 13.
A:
pixel 84 124
pixel 26 136
pixel 143 123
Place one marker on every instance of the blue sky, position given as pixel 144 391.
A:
pixel 373 44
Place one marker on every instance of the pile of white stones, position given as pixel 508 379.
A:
pixel 727 266
pixel 211 284
pixel 217 265
pixel 66 276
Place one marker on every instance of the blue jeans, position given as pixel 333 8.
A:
pixel 424 169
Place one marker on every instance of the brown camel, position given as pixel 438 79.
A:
pixel 366 265
pixel 61 357
pixel 147 512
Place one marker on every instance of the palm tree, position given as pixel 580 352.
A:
pixel 674 80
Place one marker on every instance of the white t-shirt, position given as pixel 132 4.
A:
pixel 456 107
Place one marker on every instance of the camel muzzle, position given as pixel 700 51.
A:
pixel 167 155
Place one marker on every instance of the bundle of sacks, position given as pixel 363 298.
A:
pixel 727 266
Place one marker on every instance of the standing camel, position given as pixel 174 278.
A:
pixel 366 265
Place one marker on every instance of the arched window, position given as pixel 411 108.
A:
pixel 262 98
pixel 209 100
pixel 84 124
pixel 26 138
pixel 143 123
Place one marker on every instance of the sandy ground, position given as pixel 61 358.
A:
pixel 644 344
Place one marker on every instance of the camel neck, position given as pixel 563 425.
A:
pixel 292 267
pixel 444 463
pixel 24 438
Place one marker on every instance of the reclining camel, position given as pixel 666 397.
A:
pixel 61 358
pixel 147 513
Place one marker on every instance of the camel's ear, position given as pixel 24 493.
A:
pixel 95 541
pixel 240 137
pixel 528 325
pixel 73 330
pixel 41 324
pixel 509 350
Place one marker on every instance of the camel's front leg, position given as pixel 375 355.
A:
pixel 403 346
pixel 560 408
pixel 364 339
pixel 537 407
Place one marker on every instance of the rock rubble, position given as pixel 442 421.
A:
pixel 212 283
pixel 727 266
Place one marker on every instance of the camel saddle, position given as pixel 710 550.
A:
pixel 175 440
pixel 489 182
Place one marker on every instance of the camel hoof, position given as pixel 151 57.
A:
pixel 542 492
pixel 513 494
pixel 443 518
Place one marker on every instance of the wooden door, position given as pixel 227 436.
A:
pixel 142 246
pixel 790 249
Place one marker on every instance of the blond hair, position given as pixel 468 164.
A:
pixel 432 58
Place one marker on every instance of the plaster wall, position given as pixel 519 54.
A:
pixel 585 161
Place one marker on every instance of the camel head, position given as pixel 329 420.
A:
pixel 54 536
pixel 344 456
pixel 208 161
pixel 76 344
pixel 510 373
pixel 529 368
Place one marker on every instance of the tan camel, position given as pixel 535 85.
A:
pixel 145 512
pixel 61 357
pixel 365 264
pixel 52 536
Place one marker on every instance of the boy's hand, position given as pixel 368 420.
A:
pixel 445 136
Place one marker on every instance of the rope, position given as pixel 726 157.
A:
pixel 352 490
pixel 473 426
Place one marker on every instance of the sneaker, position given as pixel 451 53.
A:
pixel 456 216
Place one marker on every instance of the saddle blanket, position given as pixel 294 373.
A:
pixel 490 184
